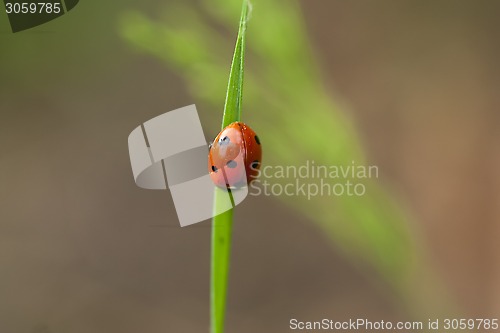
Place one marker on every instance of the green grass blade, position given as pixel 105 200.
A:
pixel 222 224
pixel 221 247
pixel 234 95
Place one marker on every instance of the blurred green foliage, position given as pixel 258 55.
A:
pixel 295 115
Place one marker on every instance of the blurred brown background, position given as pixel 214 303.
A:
pixel 82 249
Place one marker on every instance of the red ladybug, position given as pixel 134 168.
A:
pixel 235 152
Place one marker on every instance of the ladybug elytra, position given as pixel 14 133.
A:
pixel 235 156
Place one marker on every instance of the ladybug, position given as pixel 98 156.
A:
pixel 235 156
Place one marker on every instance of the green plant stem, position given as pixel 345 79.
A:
pixel 221 248
pixel 222 224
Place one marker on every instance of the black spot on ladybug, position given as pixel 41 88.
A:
pixel 257 140
pixel 214 168
pixel 255 164
pixel 224 141
pixel 231 164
